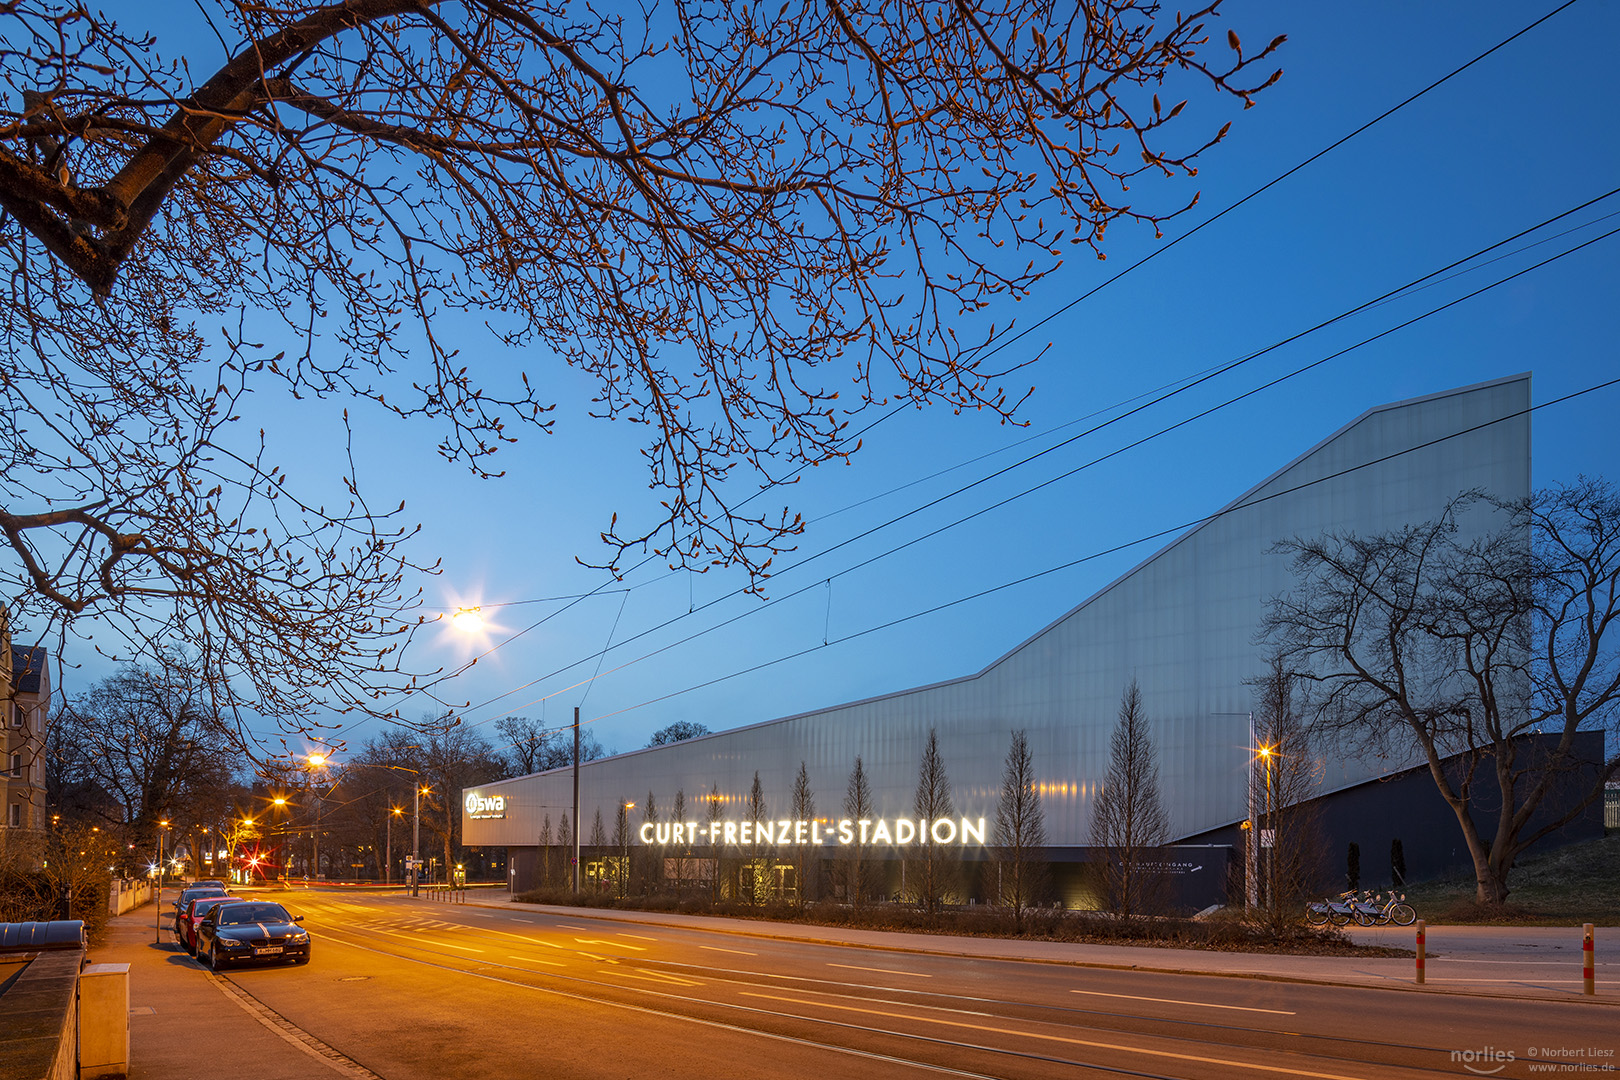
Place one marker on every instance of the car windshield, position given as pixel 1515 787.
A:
pixel 240 914
pixel 202 905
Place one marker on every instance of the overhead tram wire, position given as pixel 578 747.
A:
pixel 1114 453
pixel 1172 530
pixel 1174 241
pixel 1386 114
pixel 1046 483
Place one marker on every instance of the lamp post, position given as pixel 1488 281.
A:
pixel 416 842
pixel 157 930
pixel 577 829
pixel 316 761
pixel 1267 753
pixel 388 854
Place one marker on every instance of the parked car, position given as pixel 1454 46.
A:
pixel 193 915
pixel 187 895
pixel 251 931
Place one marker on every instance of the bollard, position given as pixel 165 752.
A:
pixel 1588 982
pixel 1420 941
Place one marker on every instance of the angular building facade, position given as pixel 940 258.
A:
pixel 1182 624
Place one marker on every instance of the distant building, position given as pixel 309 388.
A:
pixel 1183 624
pixel 25 693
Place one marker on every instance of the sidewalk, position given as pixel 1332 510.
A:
pixel 187 1024
pixel 1495 961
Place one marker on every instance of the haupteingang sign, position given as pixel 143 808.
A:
pixel 894 832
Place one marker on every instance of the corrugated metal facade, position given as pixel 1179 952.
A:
pixel 1182 623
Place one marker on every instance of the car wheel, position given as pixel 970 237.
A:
pixel 214 962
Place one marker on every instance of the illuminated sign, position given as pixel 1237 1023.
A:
pixel 894 832
pixel 481 806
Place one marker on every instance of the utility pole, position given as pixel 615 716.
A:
pixel 416 843
pixel 576 798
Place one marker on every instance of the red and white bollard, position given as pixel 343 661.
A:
pixel 1588 982
pixel 1420 941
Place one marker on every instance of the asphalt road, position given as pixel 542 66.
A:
pixel 407 989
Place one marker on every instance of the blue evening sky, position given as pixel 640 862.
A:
pixel 1522 136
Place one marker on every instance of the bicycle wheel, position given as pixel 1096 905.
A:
pixel 1402 914
pixel 1315 915
pixel 1365 917
pixel 1337 917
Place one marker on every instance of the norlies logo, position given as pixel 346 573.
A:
pixel 480 806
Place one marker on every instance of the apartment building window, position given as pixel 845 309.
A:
pixel 14 818
pixel 16 765
pixel 17 715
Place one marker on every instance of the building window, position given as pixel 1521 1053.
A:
pixel 17 715
pixel 15 818
pixel 16 764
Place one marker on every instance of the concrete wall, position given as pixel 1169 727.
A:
pixel 39 1038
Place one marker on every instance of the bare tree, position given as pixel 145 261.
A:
pixel 146 738
pixel 599 842
pixel 757 890
pixel 565 842
pixel 1289 775
pixel 856 868
pixel 679 731
pixel 712 815
pixel 683 852
pixel 695 206
pixel 932 864
pixel 804 809
pixel 621 845
pixel 1128 821
pixel 1022 874
pixel 546 855
pixel 1426 642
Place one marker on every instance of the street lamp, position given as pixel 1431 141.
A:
pixel 158 899
pixel 388 855
pixel 316 761
pixel 1267 753
pixel 416 841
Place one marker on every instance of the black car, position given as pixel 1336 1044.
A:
pixel 251 931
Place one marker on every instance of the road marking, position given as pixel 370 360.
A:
pixel 452 945
pixel 516 919
pixel 886 971
pixel 715 948
pixel 615 944
pixel 638 937
pixel 653 976
pixel 1199 1004
pixel 537 960
pixel 480 914
pixel 571 926
pixel 1233 1062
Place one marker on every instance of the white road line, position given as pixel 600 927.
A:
pixel 480 914
pixel 885 971
pixel 604 941
pixel 516 919
pixel 1126 1048
pixel 638 937
pixel 1199 1004
pixel 661 980
pixel 739 952
pixel 536 960
pixel 571 926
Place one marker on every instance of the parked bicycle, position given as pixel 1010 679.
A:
pixel 1338 910
pixel 1378 910
pixel 1365 908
